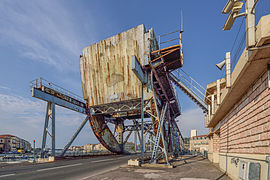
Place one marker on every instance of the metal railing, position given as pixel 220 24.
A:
pixel 261 8
pixel 192 84
pixel 39 82
pixel 168 37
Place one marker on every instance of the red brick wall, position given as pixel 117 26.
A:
pixel 246 129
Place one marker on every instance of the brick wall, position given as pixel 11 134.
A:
pixel 246 128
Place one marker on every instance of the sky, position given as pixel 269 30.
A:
pixel 44 38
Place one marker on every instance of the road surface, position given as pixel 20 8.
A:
pixel 65 169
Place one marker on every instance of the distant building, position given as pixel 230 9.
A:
pixel 193 133
pixel 186 143
pixel 76 148
pixel 99 147
pixel 88 148
pixel 199 143
pixel 13 143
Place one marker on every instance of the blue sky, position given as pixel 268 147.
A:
pixel 45 38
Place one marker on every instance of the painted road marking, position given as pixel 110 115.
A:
pixel 103 160
pixel 6 175
pixel 193 179
pixel 60 167
pixel 102 171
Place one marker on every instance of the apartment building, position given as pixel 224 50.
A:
pixel 13 143
pixel 198 143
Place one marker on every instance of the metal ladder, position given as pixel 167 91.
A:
pixel 193 92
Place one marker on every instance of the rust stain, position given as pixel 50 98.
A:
pixel 104 134
pixel 106 68
pixel 115 78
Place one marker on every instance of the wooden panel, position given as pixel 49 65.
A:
pixel 105 68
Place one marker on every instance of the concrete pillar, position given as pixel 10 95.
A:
pixel 218 92
pixel 209 112
pixel 228 69
pixel 250 24
pixel 213 104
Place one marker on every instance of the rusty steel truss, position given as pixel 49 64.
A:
pixel 114 123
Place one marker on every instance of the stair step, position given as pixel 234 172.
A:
pixel 189 93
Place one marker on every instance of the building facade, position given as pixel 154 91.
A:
pixel 88 148
pixel 193 133
pixel 129 146
pixel 186 143
pixel 199 143
pixel 13 143
pixel 239 116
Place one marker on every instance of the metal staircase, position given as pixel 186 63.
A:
pixel 191 88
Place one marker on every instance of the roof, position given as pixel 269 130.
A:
pixel 199 136
pixel 90 144
pixel 6 136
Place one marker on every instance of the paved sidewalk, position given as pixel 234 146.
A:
pixel 195 168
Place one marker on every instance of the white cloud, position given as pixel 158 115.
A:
pixel 42 31
pixel 192 119
pixel 24 117
pixel 4 87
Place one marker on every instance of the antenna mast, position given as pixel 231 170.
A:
pixel 182 28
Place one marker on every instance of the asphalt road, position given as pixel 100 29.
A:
pixel 65 169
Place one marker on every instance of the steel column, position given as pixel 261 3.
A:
pixel 160 133
pixel 127 137
pixel 142 127
pixel 135 134
pixel 50 114
pixel 135 141
pixel 53 128
pixel 165 145
pixel 43 146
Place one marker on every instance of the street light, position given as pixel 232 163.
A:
pixel 228 7
pixel 234 9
